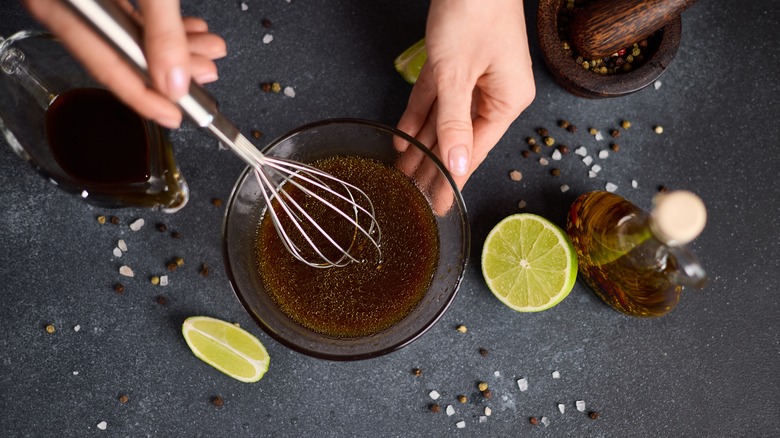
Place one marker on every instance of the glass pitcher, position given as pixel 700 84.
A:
pixel 77 134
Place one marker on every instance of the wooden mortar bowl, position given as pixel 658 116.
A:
pixel 585 83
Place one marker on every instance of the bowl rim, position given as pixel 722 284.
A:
pixel 445 303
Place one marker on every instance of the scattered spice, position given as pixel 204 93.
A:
pixel 216 202
pixel 267 38
pixel 614 133
pixel 175 234
pixel 593 131
pixel 434 395
pixel 204 270
pixel 119 288
pixel 289 91
pixel 126 271
pixel 580 404
pixel 164 280
pixel 161 227
pixel 483 352
pixel 543 132
pixel 515 175
pixel 603 154
pixel 544 161
pixel 625 124
pixel 450 410
pixel 615 147
pixel 572 128
pixel 137 224
pixel 217 401
pixel 114 220
pixel 482 386
pixel 266 23
pixel 593 415
pixel 463 399
pixel 521 204
pixel 276 87
pixel 536 148
pixel 531 141
pixel 155 280
pixel 161 300
pixel 265 86
pixel 435 408
pixel 487 393
pixel 549 141
pixel 565 188
pixel 563 149
pixel 102 425
pixel 417 372
pixel 179 261
pixel 256 134
pixel 533 421
pixel 663 189
pixel 50 328
pixel 101 220
pixel 564 124
pixel 525 153
pixel 172 266
pixel 555 172
pixel 658 129
pixel 460 424
pixel 461 328
pixel 562 408
pixel 123 398
pixel 522 384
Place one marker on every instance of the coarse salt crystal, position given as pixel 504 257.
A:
pixel 450 410
pixel 522 384
pixel 117 252
pixel 76 328
pixel 460 424
pixel 603 154
pixel 610 187
pixel 496 374
pixel 289 92
pixel 634 183
pixel 244 6
pixel 488 411
pixel 543 161
pixel 135 226
pixel 482 419
pixel 164 280
pixel 565 188
pixel 556 375
pixel 596 168
pixel 126 271
pixel 556 155
pixel 545 421
pixel 591 174
pixel 580 405
pixel 521 205
pixel 581 151
pixel 75 373
pixel 657 84
pixel 84 194
pixel 102 425
pixel 122 245
pixel 561 407
pixel 267 38
pixel 434 395
pixel 599 136
pixel 515 175
pixel 587 160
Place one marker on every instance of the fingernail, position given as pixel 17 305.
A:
pixel 177 83
pixel 169 123
pixel 459 160
pixel 206 78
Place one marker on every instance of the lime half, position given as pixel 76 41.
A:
pixel 410 62
pixel 529 263
pixel 226 347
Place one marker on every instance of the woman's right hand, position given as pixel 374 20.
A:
pixel 177 49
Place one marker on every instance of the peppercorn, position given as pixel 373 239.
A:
pixel 461 328
pixel 543 132
pixel 50 328
pixel 482 386
pixel 593 131
pixel 435 408
pixel 564 124
pixel 593 414
pixel 204 270
pixel 161 227
pixel 119 288
pixel 161 300
pixel 555 172
pixel 531 141
pixel 625 124
pixel 483 352
pixel 216 202
pixel 217 401
pixel 256 134
pixel 462 399
pixel 179 261
pixel 536 148
pixel 172 266
pixel 663 189
pixel 615 147
pixel 123 398
pixel 101 219
pixel 563 149
pixel 175 234
pixel 487 394
pixel 114 220
pixel 155 280
pixel 533 421
pixel 266 23
pixel 417 372
pixel 265 86
pixel 276 87
pixel 614 133
pixel 549 141
pixel 525 153
pixel 572 128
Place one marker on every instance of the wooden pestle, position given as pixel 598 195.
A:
pixel 603 27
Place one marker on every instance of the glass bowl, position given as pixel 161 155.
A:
pixel 339 137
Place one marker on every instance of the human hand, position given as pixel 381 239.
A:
pixel 475 83
pixel 177 50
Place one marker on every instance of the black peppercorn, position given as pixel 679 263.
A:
pixel 593 414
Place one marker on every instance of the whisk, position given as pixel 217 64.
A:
pixel 309 238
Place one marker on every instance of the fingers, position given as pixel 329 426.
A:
pixel 206 44
pixel 166 47
pixel 418 109
pixel 454 130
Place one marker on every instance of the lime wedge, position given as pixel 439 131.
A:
pixel 410 62
pixel 529 263
pixel 226 347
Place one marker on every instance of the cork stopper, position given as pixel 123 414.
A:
pixel 678 217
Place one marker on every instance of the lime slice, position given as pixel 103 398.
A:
pixel 226 347
pixel 411 61
pixel 529 263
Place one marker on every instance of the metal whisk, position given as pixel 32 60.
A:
pixel 307 237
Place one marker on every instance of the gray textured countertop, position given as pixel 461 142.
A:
pixel 707 369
